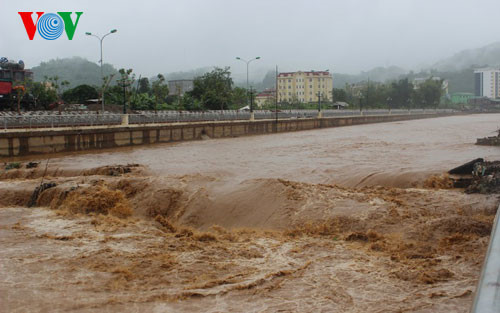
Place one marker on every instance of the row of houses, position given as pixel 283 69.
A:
pixel 292 87
pixel 310 86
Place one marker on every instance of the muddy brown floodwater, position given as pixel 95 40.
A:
pixel 352 219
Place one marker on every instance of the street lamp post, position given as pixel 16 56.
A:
pixel 100 61
pixel 319 104
pixel 248 62
pixel 360 103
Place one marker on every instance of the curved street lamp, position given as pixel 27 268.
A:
pixel 100 61
pixel 248 62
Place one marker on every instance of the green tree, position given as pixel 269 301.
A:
pixel 142 101
pixel 401 93
pixel 339 95
pixel 159 90
pixel 114 95
pixel 64 85
pixel 188 102
pixel 430 92
pixel 214 89
pixel 144 85
pixel 80 94
pixel 42 95
pixel 381 94
pixel 239 98
pixel 125 82
pixel 54 82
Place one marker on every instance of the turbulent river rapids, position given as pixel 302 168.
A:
pixel 351 219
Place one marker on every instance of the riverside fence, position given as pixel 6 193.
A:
pixel 49 119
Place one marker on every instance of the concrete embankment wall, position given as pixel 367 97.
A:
pixel 39 141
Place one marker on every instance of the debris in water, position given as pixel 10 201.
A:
pixel 466 168
pixel 32 164
pixel 486 178
pixel 38 190
pixel 477 176
pixel 12 165
pixel 111 170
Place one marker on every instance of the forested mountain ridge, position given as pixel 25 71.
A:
pixel 76 70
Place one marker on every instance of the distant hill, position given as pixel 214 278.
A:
pixel 458 80
pixel 457 69
pixel 191 74
pixel 377 74
pixel 472 58
pixel 383 74
pixel 76 70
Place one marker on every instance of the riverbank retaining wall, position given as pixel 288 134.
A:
pixel 23 142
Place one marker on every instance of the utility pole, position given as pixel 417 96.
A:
pixel 124 99
pixel 251 99
pixel 360 103
pixel 319 104
pixel 367 92
pixel 276 98
pixel 125 82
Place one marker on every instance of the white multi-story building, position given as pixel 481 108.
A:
pixel 487 83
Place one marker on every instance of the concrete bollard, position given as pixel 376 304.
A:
pixel 252 116
pixel 320 114
pixel 124 119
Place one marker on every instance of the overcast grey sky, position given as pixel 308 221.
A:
pixel 343 36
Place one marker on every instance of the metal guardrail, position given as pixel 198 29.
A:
pixel 48 121
pixel 42 119
pixel 487 298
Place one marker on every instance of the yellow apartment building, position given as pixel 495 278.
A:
pixel 305 86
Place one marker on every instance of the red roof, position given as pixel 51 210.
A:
pixel 314 73
pixel 267 93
